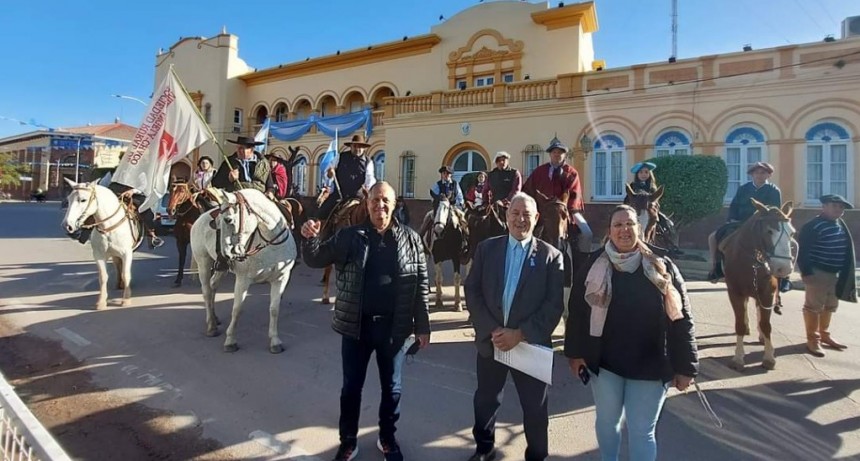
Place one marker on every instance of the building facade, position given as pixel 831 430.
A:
pixel 510 75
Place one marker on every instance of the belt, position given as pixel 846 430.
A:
pixel 375 318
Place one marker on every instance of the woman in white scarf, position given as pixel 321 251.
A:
pixel 204 173
pixel 630 333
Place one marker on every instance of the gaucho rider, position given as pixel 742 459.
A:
pixel 353 176
pixel 552 180
pixel 448 189
pixel 504 181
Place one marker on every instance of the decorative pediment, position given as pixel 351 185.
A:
pixel 506 47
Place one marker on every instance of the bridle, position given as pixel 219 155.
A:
pixel 251 249
pixel 98 224
pixel 762 259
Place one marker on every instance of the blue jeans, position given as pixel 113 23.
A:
pixel 375 336
pixel 639 402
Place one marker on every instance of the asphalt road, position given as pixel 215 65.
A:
pixel 264 406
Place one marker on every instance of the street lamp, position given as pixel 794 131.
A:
pixel 122 96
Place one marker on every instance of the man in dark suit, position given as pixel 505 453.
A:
pixel 514 294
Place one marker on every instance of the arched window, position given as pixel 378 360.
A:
pixel 281 113
pixel 207 112
pixel 466 162
pixel 379 166
pixel 407 174
pixel 672 142
pixel 827 160
pixel 300 175
pixel 744 146
pixel 610 166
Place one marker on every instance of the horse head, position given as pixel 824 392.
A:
pixel 83 203
pixel 554 221
pixel 773 232
pixel 180 193
pixel 238 222
pixel 647 206
pixel 442 216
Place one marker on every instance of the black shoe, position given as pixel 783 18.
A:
pixel 488 456
pixel 346 452
pixel 390 449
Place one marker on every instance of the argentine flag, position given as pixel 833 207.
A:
pixel 263 137
pixel 329 160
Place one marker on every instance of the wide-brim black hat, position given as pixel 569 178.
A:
pixel 836 198
pixel 246 141
pixel 445 169
pixel 357 141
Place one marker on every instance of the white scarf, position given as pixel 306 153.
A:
pixel 598 283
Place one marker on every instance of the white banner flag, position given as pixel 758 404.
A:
pixel 169 131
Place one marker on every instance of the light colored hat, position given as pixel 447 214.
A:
pixel 763 165
pixel 502 154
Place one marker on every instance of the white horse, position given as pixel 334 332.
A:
pixel 116 235
pixel 256 240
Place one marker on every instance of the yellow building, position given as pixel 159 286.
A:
pixel 509 75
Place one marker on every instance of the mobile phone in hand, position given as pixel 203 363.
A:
pixel 584 376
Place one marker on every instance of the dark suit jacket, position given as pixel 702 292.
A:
pixel 538 301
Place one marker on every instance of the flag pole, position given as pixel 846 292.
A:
pixel 200 116
pixel 336 184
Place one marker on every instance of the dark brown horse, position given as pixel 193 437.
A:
pixel 647 206
pixel 184 206
pixel 449 242
pixel 554 228
pixel 485 222
pixel 755 257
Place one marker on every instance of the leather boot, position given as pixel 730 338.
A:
pixel 813 341
pixel 824 331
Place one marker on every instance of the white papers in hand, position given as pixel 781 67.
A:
pixel 531 359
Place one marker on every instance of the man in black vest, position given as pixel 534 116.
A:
pixel 446 188
pixel 505 181
pixel 353 175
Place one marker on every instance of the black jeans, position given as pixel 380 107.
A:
pixel 488 398
pixel 376 337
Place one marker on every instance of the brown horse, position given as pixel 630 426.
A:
pixel 485 222
pixel 554 228
pixel 184 207
pixel 647 206
pixel 347 213
pixel 755 257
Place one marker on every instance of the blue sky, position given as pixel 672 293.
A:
pixel 64 59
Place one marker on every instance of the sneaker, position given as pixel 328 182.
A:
pixel 346 452
pixel 390 449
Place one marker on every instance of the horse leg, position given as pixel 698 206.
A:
pixel 438 285
pixel 326 276
pixel 458 306
pixel 764 328
pixel 126 279
pixel 240 292
pixel 182 246
pixel 275 292
pixel 101 303
pixel 739 305
pixel 208 298
pixel 117 266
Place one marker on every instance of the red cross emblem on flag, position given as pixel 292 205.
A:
pixel 166 146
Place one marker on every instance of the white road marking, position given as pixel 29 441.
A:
pixel 292 451
pixel 80 273
pixel 72 336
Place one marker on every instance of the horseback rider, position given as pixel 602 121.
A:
pixel 741 208
pixel 644 180
pixel 280 179
pixel 505 181
pixel 353 177
pixel 147 217
pixel 555 179
pixel 448 189
pixel 478 196
pixel 249 169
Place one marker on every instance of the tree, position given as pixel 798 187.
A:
pixel 695 186
pixel 11 170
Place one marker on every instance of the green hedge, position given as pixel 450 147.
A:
pixel 694 186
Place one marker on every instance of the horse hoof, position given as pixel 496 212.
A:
pixel 101 306
pixel 276 349
pixel 213 333
pixel 737 366
pixel 231 347
pixel 217 321
pixel 768 364
pixel 126 303
pixel 326 301
pixel 177 283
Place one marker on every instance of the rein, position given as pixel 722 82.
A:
pixel 250 248
pixel 80 222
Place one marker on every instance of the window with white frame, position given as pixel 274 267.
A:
pixel 744 146
pixel 827 160
pixel 484 81
pixel 407 175
pixel 531 160
pixel 673 142
pixel 300 175
pixel 379 166
pixel 238 118
pixel 609 163
pixel 468 161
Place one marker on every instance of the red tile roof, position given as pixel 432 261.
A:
pixel 111 130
